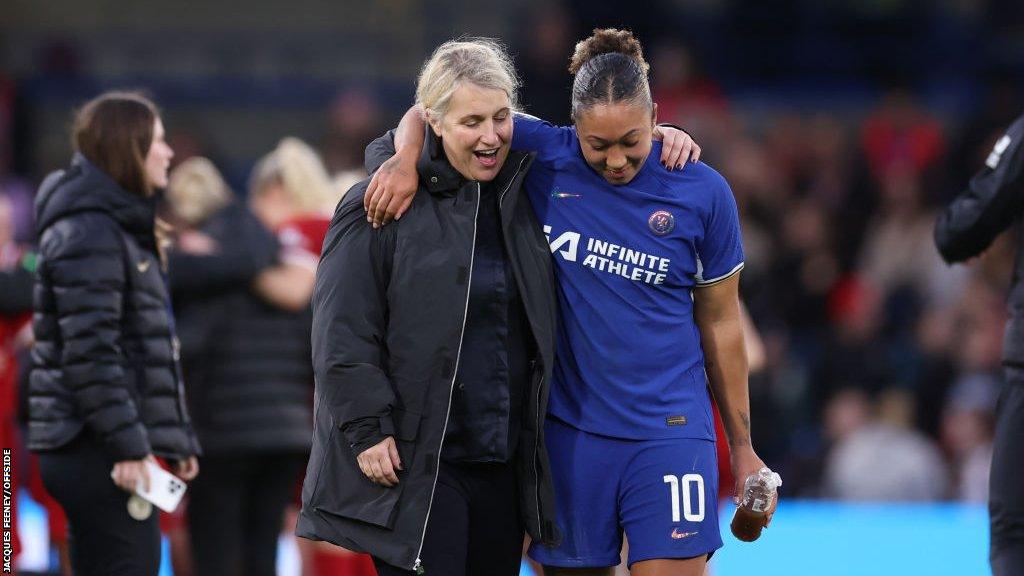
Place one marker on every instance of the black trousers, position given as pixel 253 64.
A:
pixel 1006 488
pixel 235 511
pixel 474 527
pixel 104 539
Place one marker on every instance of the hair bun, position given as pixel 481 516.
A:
pixel 607 41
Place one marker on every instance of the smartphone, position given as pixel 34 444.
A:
pixel 165 489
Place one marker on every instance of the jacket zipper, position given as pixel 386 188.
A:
pixel 418 566
pixel 540 386
pixel 536 454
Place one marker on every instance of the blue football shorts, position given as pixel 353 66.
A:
pixel 663 494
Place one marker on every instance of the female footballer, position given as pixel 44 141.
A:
pixel 647 262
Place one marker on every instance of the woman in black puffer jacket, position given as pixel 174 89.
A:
pixel 105 393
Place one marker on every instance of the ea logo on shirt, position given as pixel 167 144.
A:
pixel 661 222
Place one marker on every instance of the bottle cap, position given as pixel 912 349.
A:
pixel 770 480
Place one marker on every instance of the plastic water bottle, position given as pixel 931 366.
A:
pixel 759 492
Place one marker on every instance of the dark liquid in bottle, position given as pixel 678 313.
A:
pixel 747 524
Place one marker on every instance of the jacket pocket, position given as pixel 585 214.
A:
pixel 343 490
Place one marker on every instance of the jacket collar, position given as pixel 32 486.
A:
pixel 82 188
pixel 436 173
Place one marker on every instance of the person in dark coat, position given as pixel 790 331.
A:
pixel 433 343
pixel 992 203
pixel 246 355
pixel 105 392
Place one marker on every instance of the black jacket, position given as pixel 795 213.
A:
pixel 106 356
pixel 250 381
pixel 993 202
pixel 389 309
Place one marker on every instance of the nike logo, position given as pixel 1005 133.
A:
pixel 143 266
pixel 556 193
pixel 677 535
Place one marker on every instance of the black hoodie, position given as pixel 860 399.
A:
pixel 106 355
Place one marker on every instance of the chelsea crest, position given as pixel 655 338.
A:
pixel 661 222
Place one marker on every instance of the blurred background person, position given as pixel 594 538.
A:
pixel 199 207
pixel 354 117
pixel 16 282
pixel 17 278
pixel 243 313
pixel 106 394
pixel 878 456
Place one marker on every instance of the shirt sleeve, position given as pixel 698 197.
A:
pixel 720 253
pixel 531 134
pixel 992 202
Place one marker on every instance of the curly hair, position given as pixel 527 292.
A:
pixel 609 67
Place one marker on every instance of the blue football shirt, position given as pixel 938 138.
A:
pixel 627 258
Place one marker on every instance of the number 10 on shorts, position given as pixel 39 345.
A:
pixel 686 482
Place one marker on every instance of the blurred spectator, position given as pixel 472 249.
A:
pixel 246 356
pixel 878 456
pixel 897 251
pixel 858 354
pixel 15 335
pixel 16 191
pixel 16 267
pixel 682 91
pixel 17 277
pixel 967 428
pixel 900 132
pixel 805 270
pixel 291 194
pixel 548 36
pixel 687 97
pixel 353 119
pixel 201 273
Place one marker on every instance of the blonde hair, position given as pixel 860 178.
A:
pixel 297 168
pixel 196 190
pixel 479 61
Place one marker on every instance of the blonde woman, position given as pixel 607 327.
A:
pixel 433 343
pixel 291 193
